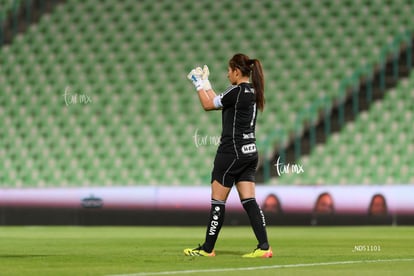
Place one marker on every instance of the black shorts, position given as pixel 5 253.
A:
pixel 229 170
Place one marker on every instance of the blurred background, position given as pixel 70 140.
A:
pixel 99 124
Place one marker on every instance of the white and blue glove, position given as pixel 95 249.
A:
pixel 199 78
pixel 204 77
pixel 196 77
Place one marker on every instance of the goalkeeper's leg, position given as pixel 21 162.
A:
pixel 219 194
pixel 246 191
pixel 214 225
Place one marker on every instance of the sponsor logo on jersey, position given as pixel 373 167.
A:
pixel 249 148
pixel 248 136
pixel 249 90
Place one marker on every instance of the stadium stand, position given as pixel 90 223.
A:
pixel 5 6
pixel 95 93
pixel 375 149
pixel 17 15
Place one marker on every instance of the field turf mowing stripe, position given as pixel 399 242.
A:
pixel 257 268
pixel 151 250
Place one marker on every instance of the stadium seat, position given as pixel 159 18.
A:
pixel 132 57
pixel 375 149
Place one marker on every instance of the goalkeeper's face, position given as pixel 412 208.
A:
pixel 232 75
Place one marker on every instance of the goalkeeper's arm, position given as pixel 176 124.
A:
pixel 208 98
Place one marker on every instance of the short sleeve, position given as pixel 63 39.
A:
pixel 229 97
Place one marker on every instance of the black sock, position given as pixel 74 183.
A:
pixel 215 222
pixel 257 221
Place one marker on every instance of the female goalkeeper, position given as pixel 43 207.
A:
pixel 236 159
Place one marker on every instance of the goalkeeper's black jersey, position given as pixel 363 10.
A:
pixel 239 121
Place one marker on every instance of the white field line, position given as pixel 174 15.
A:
pixel 262 267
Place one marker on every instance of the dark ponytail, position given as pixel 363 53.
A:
pixel 258 83
pixel 251 68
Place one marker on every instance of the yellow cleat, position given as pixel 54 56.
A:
pixel 198 252
pixel 259 253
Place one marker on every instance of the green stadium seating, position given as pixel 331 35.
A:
pixel 375 149
pixel 131 59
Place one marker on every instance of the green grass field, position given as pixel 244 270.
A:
pixel 158 251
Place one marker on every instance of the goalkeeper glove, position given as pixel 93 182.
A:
pixel 196 77
pixel 204 76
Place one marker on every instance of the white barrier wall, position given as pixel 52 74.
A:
pixel 292 199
